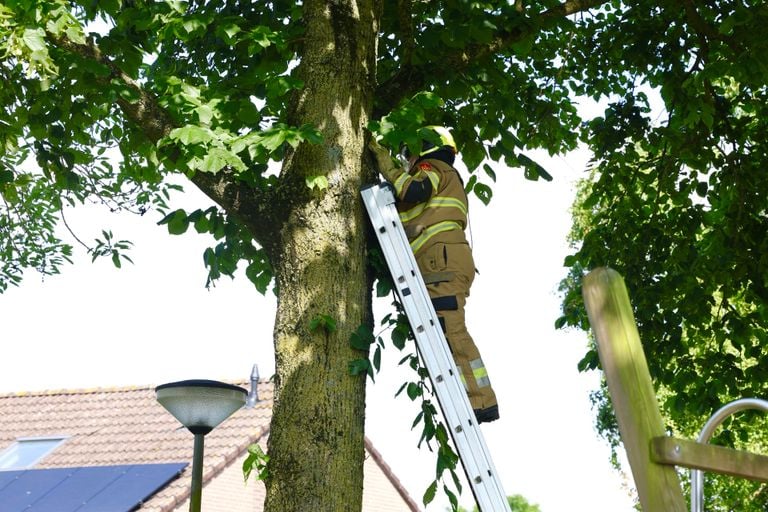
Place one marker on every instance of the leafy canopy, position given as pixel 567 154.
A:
pixel 102 101
pixel 676 202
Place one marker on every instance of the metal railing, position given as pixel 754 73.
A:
pixel 697 475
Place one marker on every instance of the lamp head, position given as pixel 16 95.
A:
pixel 200 405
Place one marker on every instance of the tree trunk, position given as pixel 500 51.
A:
pixel 316 443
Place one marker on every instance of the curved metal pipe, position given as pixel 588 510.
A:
pixel 697 475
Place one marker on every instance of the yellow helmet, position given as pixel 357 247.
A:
pixel 428 146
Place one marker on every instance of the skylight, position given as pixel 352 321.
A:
pixel 26 452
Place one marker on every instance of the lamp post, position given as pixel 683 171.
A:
pixel 200 405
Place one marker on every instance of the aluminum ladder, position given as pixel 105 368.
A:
pixel 486 486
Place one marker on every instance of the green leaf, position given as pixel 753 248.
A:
pixel 273 139
pixel 194 24
pixel 377 358
pixel 383 287
pixel 75 34
pixel 591 201
pixel 34 39
pixel 473 154
pixel 228 31
pixel 202 222
pixel 590 361
pixel 429 494
pixel 256 460
pixel 470 184
pixel 362 338
pixel 311 134
pixel 319 182
pixel 428 100
pixel 400 335
pixel 533 171
pixel 248 113
pixel 191 134
pixel 358 366
pixel 451 497
pixel 417 419
pixel 483 192
pixel 177 222
pixel 490 172
pixel 260 275
pixel 324 322
pixel 263 36
pixel 204 114
pixel 413 390
pixel 217 158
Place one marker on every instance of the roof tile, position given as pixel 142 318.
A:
pixel 126 425
pixel 107 426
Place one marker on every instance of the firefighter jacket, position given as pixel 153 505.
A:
pixel 432 203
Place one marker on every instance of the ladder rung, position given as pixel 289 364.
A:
pixel 435 353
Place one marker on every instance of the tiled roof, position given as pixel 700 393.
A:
pixel 128 426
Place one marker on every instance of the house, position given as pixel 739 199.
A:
pixel 118 450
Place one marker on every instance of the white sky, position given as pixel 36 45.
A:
pixel 154 322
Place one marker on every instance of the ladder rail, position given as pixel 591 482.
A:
pixel 434 350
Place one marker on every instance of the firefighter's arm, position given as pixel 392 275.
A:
pixel 411 188
pixel 418 186
pixel 387 167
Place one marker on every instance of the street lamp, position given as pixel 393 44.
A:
pixel 200 405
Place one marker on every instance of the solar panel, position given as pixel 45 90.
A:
pixel 29 486
pixel 84 489
pixel 78 488
pixel 140 481
pixel 6 478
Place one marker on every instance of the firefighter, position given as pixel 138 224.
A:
pixel 433 207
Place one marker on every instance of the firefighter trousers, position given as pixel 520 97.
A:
pixel 448 270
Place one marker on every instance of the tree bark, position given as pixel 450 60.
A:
pixel 316 445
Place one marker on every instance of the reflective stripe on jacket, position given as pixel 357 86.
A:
pixel 431 202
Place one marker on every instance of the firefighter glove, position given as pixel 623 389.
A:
pixel 387 166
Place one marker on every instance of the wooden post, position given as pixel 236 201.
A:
pixel 630 387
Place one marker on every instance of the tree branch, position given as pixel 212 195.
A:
pixel 405 22
pixel 704 30
pixel 145 112
pixel 253 206
pixel 411 79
